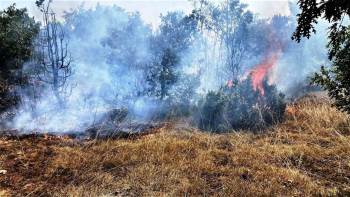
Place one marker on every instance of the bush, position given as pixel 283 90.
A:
pixel 212 111
pixel 240 107
pixel 17 33
pixel 168 110
pixel 336 79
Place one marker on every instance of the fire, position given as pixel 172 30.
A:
pixel 229 83
pixel 291 110
pixel 261 70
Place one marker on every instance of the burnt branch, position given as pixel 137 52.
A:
pixel 54 60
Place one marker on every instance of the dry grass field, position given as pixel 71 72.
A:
pixel 306 155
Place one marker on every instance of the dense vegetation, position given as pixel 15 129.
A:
pixel 240 107
pixel 336 80
pixel 17 34
pixel 148 72
pixel 111 107
pixel 211 66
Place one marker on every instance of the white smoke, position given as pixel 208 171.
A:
pixel 98 84
pixel 111 50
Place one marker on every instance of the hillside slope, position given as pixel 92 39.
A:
pixel 307 154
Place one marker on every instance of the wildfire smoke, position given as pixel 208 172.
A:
pixel 261 70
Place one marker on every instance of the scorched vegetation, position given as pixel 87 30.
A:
pixel 211 102
pixel 307 155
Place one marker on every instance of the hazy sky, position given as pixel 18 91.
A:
pixel 149 9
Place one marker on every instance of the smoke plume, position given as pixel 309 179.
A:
pixel 112 51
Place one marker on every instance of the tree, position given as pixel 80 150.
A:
pixel 119 47
pixel 17 33
pixel 128 47
pixel 229 21
pixel 336 80
pixel 54 61
pixel 176 34
pixel 164 75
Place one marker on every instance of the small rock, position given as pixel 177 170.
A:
pixel 3 172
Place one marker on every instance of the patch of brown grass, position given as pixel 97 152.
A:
pixel 306 155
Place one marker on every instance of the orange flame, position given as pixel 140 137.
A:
pixel 261 70
pixel 229 83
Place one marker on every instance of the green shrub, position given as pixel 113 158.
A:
pixel 17 33
pixel 169 110
pixel 212 111
pixel 240 107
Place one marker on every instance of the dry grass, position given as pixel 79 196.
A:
pixel 306 155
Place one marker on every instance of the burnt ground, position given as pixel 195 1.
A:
pixel 306 155
pixel 26 158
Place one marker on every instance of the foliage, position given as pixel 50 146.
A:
pixel 17 33
pixel 240 107
pixel 211 116
pixel 231 23
pixel 170 110
pixel 163 74
pixel 331 10
pixel 176 34
pixel 336 80
pixel 123 63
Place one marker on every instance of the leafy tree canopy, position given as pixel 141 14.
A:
pixel 336 80
pixel 17 33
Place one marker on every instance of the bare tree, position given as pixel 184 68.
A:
pixel 53 57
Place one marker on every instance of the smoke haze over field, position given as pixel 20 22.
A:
pixel 115 51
